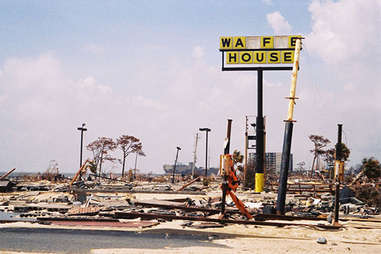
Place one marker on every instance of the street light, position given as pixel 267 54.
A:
pixel 82 129
pixel 206 152
pixel 174 167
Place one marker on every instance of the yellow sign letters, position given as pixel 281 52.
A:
pixel 259 49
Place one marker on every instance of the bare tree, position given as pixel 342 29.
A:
pixel 128 145
pixel 101 148
pixel 330 154
pixel 300 167
pixel 319 144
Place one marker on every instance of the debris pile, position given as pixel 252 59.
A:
pixel 114 202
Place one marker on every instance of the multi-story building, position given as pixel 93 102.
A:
pixel 272 161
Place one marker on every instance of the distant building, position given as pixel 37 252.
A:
pixel 186 169
pixel 272 161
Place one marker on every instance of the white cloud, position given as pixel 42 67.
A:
pixel 278 23
pixel 345 30
pixel 198 52
pixel 43 107
pixel 345 35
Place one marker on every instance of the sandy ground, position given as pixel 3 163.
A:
pixel 260 239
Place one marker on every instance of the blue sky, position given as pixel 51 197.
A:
pixel 152 69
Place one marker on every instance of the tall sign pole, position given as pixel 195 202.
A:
pixel 285 163
pixel 259 132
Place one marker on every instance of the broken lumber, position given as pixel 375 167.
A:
pixel 134 215
pixel 187 184
pixel 137 191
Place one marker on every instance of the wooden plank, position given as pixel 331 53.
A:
pixel 83 211
pixel 174 205
pixel 133 215
pixel 138 191
pixel 129 224
pixel 187 184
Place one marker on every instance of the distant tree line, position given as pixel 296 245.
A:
pixel 102 147
pixel 320 150
pixel 370 167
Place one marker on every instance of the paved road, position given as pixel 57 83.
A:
pixel 81 241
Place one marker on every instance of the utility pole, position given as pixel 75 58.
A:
pixel 174 167
pixel 206 151
pixel 195 155
pixel 82 129
pixel 285 163
pixel 136 161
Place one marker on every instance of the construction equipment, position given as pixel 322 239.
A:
pixel 82 170
pixel 7 174
pixel 232 184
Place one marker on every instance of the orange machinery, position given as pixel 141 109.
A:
pixel 81 171
pixel 228 172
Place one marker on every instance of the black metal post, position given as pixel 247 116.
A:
pixel 339 148
pixel 226 151
pixel 260 154
pixel 228 134
pixel 285 165
pixel 206 149
pixel 339 156
pixel 206 155
pixel 174 167
pixel 82 129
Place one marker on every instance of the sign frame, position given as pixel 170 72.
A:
pixel 263 67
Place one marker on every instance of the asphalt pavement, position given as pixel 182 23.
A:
pixel 82 241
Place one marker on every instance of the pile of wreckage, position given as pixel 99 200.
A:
pixel 102 201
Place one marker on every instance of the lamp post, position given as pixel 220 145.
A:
pixel 174 167
pixel 206 152
pixel 82 129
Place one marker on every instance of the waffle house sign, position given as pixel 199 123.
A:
pixel 257 52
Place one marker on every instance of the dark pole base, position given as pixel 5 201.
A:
pixel 281 200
